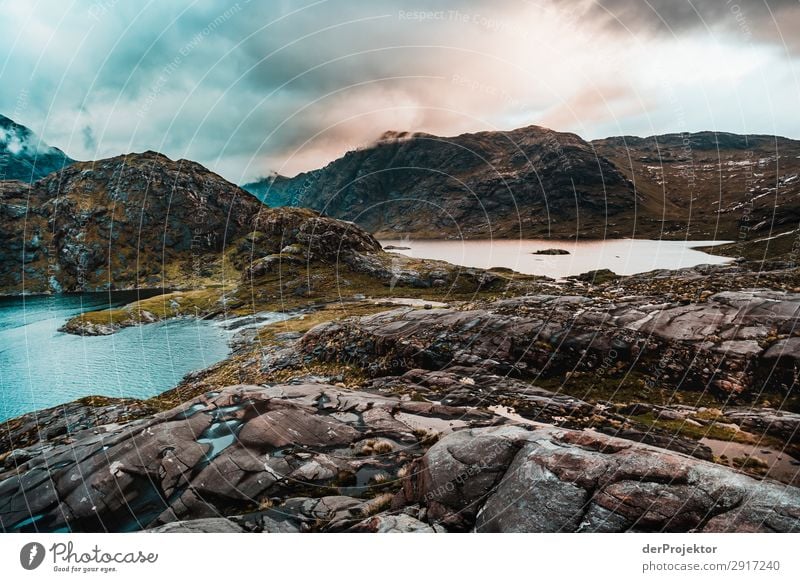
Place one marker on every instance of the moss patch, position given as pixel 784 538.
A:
pixel 687 429
pixel 196 302
pixel 630 388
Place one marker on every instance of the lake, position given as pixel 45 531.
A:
pixel 41 367
pixel 623 256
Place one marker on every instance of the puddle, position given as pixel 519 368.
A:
pixel 322 401
pixel 219 436
pixel 364 480
pixel 137 514
pixel 782 467
pixel 219 413
pixel 26 522
pixel 440 425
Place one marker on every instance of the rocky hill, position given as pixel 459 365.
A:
pixel 23 156
pixel 140 220
pixel 313 457
pixel 398 394
pixel 530 181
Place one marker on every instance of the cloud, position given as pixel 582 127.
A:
pixel 675 17
pixel 16 140
pixel 89 141
pixel 250 87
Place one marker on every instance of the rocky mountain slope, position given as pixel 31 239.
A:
pixel 744 188
pixel 534 182
pixel 292 259
pixel 530 181
pixel 146 221
pixel 140 220
pixel 23 156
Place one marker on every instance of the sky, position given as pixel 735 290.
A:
pixel 253 87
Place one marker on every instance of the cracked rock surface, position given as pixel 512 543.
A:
pixel 315 457
pixel 734 343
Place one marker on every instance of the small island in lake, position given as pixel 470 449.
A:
pixel 551 252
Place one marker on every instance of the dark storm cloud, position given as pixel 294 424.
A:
pixel 757 19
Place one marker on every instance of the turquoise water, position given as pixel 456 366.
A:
pixel 41 367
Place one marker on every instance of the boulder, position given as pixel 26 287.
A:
pixel 552 480
pixel 208 525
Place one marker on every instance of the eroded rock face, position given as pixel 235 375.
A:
pixel 542 479
pixel 61 423
pixel 780 423
pixel 730 343
pixel 300 231
pixel 209 525
pixel 401 523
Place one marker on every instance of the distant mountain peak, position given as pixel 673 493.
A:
pixel 23 154
pixel 392 135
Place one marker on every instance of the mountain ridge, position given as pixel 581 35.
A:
pixel 674 185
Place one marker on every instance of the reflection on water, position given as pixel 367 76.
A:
pixel 623 256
